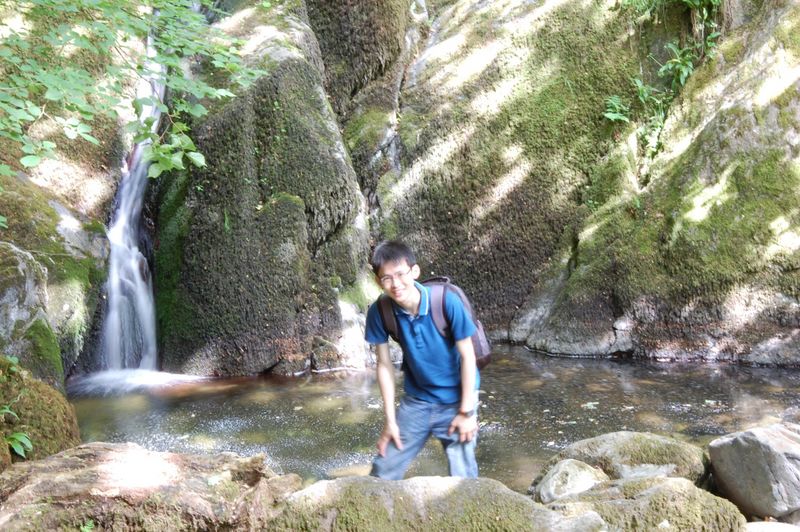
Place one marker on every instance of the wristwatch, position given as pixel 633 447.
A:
pixel 468 413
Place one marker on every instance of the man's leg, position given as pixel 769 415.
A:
pixel 413 419
pixel 460 456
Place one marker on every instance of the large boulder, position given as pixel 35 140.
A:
pixel 758 470
pixel 626 454
pixel 654 504
pixel 423 503
pixel 125 487
pixel 360 41
pixel 38 411
pixel 252 249
pixel 693 254
pixel 53 263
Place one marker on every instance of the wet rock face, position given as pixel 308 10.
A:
pixel 238 289
pixel 125 487
pixel 696 256
pixel 52 266
pixel 494 145
pixel 757 469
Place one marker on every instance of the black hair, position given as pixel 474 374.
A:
pixel 391 251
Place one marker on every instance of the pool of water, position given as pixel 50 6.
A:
pixel 325 426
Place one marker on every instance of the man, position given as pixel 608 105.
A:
pixel 441 378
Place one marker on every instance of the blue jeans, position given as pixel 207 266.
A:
pixel 417 420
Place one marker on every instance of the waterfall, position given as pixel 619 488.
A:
pixel 129 330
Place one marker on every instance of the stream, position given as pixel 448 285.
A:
pixel 325 426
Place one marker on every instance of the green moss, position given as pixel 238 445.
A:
pixel 788 32
pixel 681 505
pixel 358 43
pixel 546 135
pixel 173 314
pixel 95 226
pixel 410 127
pixel 607 180
pixel 44 414
pixel 366 508
pixel 46 355
pixel 367 129
pixel 359 294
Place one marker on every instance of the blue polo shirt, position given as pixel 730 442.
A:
pixel 433 364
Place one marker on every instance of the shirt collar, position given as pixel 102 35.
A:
pixel 424 300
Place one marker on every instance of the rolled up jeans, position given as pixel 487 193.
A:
pixel 417 421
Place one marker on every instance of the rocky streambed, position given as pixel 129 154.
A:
pixel 617 481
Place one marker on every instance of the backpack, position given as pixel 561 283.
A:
pixel 439 287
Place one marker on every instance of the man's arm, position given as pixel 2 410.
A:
pixel 467 426
pixel 385 370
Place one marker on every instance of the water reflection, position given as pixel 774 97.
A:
pixel 326 426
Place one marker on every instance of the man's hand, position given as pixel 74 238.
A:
pixel 467 427
pixel 391 432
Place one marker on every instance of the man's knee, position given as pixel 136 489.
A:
pixel 388 467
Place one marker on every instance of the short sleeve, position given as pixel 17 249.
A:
pixel 461 324
pixel 375 333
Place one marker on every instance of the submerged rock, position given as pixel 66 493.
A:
pixel 758 470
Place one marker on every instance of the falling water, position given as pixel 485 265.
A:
pixel 129 330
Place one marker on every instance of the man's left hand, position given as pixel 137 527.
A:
pixel 467 427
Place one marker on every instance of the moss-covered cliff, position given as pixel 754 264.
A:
pixel 500 126
pixel 53 269
pixel 698 259
pixel 237 289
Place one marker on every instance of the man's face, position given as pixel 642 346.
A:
pixel 397 279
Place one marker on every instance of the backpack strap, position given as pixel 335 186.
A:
pixel 388 318
pixel 438 294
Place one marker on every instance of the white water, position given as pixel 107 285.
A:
pixel 129 330
pixel 124 381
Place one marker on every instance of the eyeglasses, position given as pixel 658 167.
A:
pixel 387 280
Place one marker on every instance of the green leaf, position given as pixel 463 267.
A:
pixel 196 158
pixel 177 160
pixel 90 138
pixel 154 170
pixel 53 94
pixel 198 110
pixel 29 161
pixel 17 448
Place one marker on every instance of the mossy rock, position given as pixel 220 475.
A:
pixel 501 130
pixel 238 286
pixel 49 335
pixel 655 503
pixel 42 413
pixel 636 454
pixel 430 503
pixel 359 41
pixel 700 262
